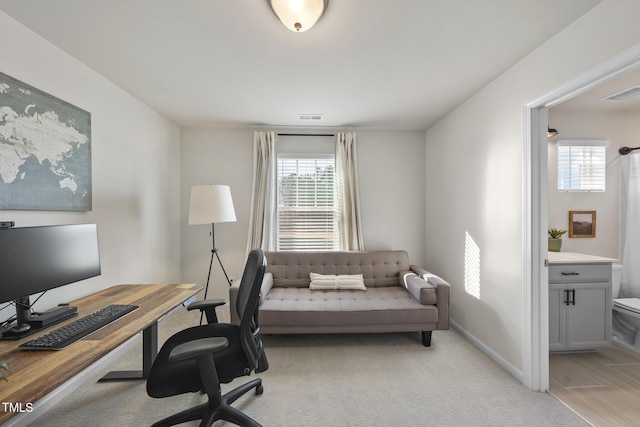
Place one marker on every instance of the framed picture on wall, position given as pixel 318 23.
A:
pixel 45 150
pixel 582 223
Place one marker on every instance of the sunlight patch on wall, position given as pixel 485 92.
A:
pixel 471 266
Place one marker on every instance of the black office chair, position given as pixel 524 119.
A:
pixel 202 357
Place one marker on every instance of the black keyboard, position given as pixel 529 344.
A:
pixel 79 328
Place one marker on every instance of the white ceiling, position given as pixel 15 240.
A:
pixel 592 100
pixel 398 64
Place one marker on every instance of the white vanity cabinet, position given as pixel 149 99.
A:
pixel 579 305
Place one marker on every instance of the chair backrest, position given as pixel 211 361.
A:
pixel 247 304
pixel 167 378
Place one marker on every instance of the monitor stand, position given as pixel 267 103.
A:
pixel 30 324
pixel 19 330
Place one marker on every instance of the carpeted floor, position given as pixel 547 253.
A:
pixel 341 380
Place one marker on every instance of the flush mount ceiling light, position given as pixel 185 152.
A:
pixel 298 15
pixel 551 132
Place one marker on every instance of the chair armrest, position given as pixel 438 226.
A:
pixel 196 348
pixel 443 293
pixel 204 304
pixel 208 306
pixel 267 284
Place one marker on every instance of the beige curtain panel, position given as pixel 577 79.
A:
pixel 347 173
pixel 263 193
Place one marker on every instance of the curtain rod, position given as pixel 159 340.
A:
pixel 306 134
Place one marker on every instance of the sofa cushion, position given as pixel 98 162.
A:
pixel 379 268
pixel 340 281
pixel 382 305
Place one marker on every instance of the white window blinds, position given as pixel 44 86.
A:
pixel 581 165
pixel 307 209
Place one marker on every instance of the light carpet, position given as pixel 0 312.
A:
pixel 340 380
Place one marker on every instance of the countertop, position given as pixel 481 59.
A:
pixel 575 258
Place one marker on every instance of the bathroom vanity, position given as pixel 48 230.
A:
pixel 579 301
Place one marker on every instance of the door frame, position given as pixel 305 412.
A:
pixel 535 171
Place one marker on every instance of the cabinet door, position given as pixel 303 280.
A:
pixel 557 317
pixel 589 319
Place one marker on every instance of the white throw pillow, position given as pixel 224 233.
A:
pixel 322 281
pixel 332 281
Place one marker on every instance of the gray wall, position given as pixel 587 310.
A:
pixel 474 162
pixel 621 129
pixel 135 166
pixel 391 174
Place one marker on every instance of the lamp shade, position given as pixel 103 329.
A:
pixel 211 204
pixel 298 15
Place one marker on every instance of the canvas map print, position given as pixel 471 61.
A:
pixel 45 151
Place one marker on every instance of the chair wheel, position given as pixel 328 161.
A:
pixel 259 389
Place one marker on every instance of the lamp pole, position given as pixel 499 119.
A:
pixel 214 253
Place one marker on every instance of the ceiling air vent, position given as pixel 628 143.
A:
pixel 310 117
pixel 624 94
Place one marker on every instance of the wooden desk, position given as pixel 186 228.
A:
pixel 35 373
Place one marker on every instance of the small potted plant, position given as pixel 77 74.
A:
pixel 555 239
pixel 4 366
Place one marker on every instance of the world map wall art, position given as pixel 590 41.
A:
pixel 45 151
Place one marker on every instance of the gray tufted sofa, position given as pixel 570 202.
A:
pixel 399 297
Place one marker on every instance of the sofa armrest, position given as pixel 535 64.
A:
pixel 267 284
pixel 443 293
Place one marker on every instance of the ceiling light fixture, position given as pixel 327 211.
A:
pixel 551 132
pixel 298 15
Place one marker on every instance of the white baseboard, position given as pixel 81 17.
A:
pixel 515 372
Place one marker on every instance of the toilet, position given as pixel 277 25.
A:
pixel 626 314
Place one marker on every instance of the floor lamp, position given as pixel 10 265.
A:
pixel 211 204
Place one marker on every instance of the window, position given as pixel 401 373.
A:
pixel 581 165
pixel 307 213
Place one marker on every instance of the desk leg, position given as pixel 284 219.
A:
pixel 149 352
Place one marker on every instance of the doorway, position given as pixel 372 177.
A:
pixel 536 309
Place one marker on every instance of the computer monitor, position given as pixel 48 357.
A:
pixel 36 259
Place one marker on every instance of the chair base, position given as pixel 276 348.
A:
pixel 210 412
